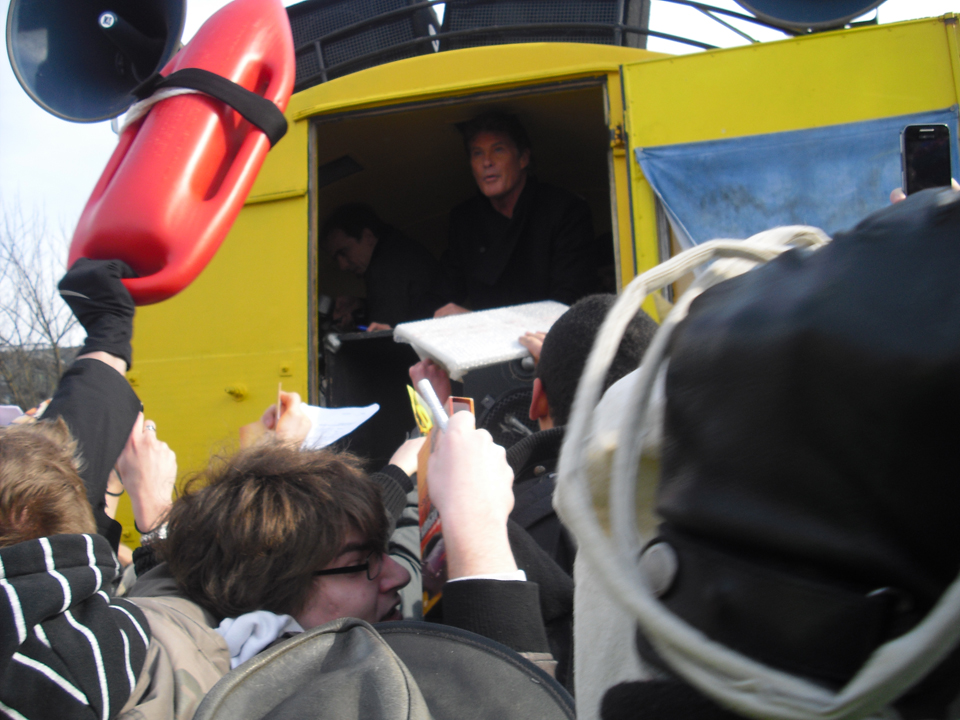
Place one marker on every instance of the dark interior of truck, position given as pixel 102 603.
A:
pixel 410 165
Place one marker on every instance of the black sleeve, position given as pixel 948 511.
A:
pixel 144 560
pixel 420 291
pixel 99 407
pixel 573 271
pixel 404 548
pixel 505 611
pixel 556 597
pixel 556 586
pixel 394 484
pixel 449 279
pixel 415 270
pixel 534 616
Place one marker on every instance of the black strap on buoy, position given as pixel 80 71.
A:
pixel 258 110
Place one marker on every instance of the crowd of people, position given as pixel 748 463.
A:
pixel 800 551
pixel 271 541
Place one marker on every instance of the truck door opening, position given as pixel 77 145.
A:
pixel 408 162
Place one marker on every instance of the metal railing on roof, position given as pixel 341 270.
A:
pixel 375 40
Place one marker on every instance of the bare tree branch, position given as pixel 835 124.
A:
pixel 36 326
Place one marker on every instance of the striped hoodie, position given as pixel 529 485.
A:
pixel 67 649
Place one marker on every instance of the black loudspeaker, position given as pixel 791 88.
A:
pixel 496 22
pixel 79 59
pixel 337 37
pixel 501 395
pixel 508 417
pixel 806 15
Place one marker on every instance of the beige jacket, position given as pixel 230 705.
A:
pixel 186 657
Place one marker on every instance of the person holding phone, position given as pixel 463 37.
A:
pixel 924 160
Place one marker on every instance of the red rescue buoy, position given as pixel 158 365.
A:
pixel 180 175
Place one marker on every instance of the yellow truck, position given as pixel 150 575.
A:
pixel 210 359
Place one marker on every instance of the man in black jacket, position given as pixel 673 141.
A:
pixel 541 544
pixel 396 270
pixel 518 240
pixel 562 355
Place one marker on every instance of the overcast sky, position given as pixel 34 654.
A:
pixel 50 166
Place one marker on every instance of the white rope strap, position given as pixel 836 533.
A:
pixel 142 107
pixel 734 680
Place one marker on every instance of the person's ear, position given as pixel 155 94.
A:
pixel 539 407
pixel 525 159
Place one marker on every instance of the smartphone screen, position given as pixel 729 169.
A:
pixel 925 157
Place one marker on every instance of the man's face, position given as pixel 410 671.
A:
pixel 498 167
pixel 352 255
pixel 353 594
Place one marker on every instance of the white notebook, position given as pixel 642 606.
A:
pixel 461 343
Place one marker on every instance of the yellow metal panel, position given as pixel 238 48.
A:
pixel 459 72
pixel 284 172
pixel 816 80
pixel 194 412
pixel 129 536
pixel 242 324
pixel 812 81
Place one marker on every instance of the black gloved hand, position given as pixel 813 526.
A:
pixel 102 304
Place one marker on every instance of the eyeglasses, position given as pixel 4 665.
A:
pixel 372 566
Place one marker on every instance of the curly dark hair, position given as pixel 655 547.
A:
pixel 567 347
pixel 249 531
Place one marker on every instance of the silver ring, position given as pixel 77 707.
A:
pixel 150 426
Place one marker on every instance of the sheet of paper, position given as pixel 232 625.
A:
pixel 9 413
pixel 331 424
pixel 461 343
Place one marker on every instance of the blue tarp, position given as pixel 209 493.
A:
pixel 829 177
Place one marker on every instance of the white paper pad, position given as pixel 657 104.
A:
pixel 461 343
pixel 330 424
pixel 9 413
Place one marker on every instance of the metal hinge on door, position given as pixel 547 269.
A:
pixel 618 141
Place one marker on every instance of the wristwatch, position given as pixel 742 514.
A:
pixel 158 533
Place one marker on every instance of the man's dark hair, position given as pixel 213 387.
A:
pixel 353 219
pixel 567 347
pixel 248 533
pixel 498 122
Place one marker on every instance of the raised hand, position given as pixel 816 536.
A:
pixel 148 470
